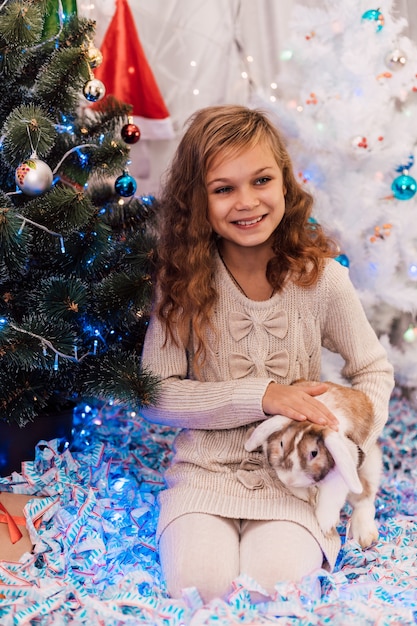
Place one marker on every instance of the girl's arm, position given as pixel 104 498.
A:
pixel 184 403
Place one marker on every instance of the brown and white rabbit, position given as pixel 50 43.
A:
pixel 326 467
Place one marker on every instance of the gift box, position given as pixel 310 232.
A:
pixel 14 535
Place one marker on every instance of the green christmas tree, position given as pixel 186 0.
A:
pixel 76 250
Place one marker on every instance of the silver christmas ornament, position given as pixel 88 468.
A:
pixel 33 176
pixel 94 90
pixel 395 60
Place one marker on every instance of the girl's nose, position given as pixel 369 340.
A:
pixel 246 200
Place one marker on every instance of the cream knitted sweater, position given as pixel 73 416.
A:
pixel 279 340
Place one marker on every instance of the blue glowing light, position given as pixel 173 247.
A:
pixel 412 271
pixel 82 157
pixel 147 200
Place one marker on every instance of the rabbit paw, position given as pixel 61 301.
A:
pixel 363 528
pixel 327 517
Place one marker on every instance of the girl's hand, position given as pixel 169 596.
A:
pixel 298 402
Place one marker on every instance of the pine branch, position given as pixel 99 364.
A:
pixel 62 210
pixel 106 116
pixel 60 80
pixel 119 376
pixel 27 129
pixel 21 25
pixel 13 243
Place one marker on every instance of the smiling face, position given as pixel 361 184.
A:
pixel 246 199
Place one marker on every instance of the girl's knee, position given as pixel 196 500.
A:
pixel 278 551
pixel 207 586
pixel 201 551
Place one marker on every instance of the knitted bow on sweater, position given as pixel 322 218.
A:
pixel 240 325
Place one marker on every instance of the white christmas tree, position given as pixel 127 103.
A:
pixel 348 105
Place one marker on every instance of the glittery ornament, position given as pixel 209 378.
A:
pixel 33 176
pixel 130 133
pixel 94 90
pixel 94 57
pixel 374 15
pixel 125 185
pixel 404 187
pixel 395 60
pixel 404 167
pixel 343 260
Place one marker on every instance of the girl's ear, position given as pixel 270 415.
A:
pixel 341 451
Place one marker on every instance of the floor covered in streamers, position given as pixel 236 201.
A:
pixel 95 560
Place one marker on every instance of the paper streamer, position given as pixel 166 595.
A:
pixel 95 560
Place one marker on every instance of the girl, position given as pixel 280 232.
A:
pixel 247 294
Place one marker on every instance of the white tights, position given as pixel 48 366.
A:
pixel 208 552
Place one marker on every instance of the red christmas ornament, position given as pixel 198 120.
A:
pixel 130 133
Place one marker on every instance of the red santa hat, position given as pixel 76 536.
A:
pixel 126 75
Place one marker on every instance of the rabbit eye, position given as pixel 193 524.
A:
pixel 281 444
pixel 313 454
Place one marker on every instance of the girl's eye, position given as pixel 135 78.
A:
pixel 262 181
pixel 222 190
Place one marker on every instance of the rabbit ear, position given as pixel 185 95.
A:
pixel 266 428
pixel 347 466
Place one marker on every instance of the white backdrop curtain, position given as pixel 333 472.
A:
pixel 199 50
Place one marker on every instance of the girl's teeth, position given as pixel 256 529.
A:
pixel 248 223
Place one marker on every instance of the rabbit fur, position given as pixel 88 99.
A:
pixel 326 467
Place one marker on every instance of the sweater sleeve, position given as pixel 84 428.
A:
pixel 347 331
pixel 185 403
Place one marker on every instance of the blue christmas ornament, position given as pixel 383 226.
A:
pixel 404 187
pixel 343 260
pixel 375 15
pixel 313 223
pixel 125 185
